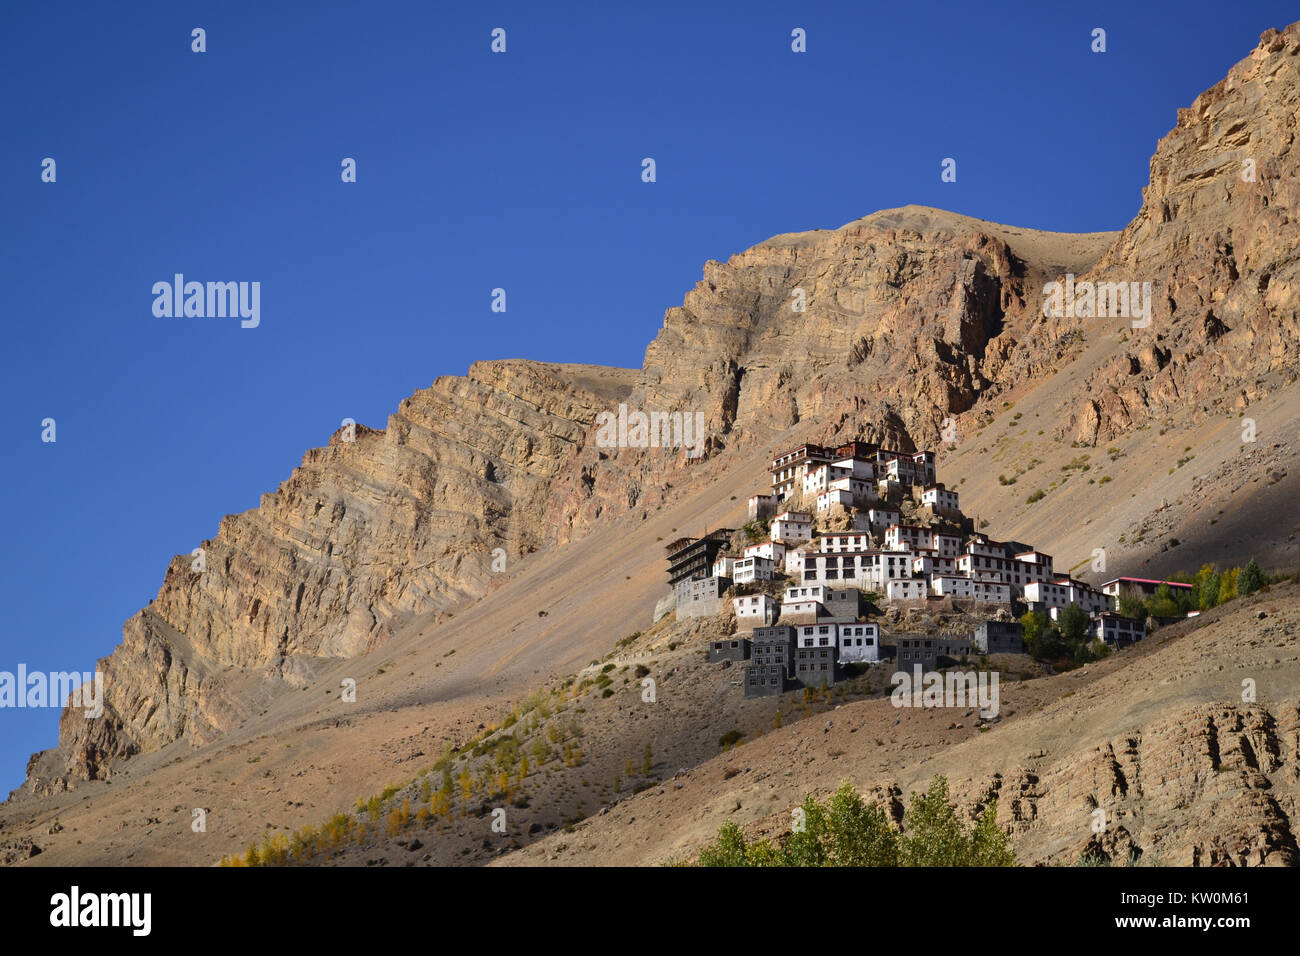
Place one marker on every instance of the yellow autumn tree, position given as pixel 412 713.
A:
pixel 466 790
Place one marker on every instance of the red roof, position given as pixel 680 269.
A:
pixel 1172 584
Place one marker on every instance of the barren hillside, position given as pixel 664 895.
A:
pixel 1158 737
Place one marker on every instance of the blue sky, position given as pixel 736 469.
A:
pixel 475 171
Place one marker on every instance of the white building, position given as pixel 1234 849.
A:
pixel 724 566
pixel 859 642
pixel 794 560
pixel 948 545
pixel 803 601
pixel 870 570
pixel 837 541
pixel 900 537
pixel 904 472
pixel 836 497
pixel 1055 596
pixel 972 589
pixel 820 477
pixel 940 499
pixel 755 610
pixel 907 589
pixel 861 490
pixel 990 562
pixel 1035 557
pixel 798 592
pixel 860 468
pixel 1116 630
pixel 788 470
pixel 792 527
pixel 931 562
pixel 774 551
pixel 910 468
pixel 882 518
pixel 748 570
pixel 817 635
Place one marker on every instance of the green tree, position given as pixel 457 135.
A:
pixel 1074 624
pixel 1251 579
pixel 1228 585
pixel 1042 639
pixel 1163 604
pixel 1130 604
pixel 933 834
pixel 860 833
pixel 1034 623
pixel 727 850
pixel 989 841
pixel 846 831
pixel 1208 591
pixel 730 849
pixel 807 844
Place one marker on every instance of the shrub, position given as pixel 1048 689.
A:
pixel 847 831
pixel 730 739
pixel 1251 579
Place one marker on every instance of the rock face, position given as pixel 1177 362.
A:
pixel 364 534
pixel 913 312
pixel 1216 236
pixel 889 328
pixel 1159 788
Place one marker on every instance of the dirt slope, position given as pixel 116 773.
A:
pixel 1157 737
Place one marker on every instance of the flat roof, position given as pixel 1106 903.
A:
pixel 1172 584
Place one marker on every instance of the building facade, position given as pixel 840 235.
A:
pixel 815 666
pixel 999 637
pixel 859 643
pixel 749 570
pixel 1116 630
pixel 754 610
pixel 729 649
pixel 694 557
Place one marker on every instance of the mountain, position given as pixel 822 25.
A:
pixel 919 328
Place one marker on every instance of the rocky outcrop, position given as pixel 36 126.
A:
pixel 883 328
pixel 1150 794
pixel 1216 236
pixel 367 531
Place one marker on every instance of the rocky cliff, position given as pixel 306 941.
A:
pixel 1217 237
pixel 369 530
